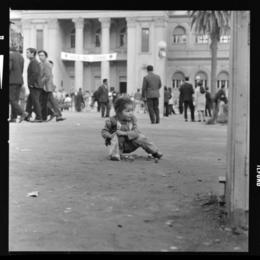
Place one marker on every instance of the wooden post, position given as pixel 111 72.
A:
pixel 237 186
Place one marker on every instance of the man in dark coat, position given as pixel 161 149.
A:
pixel 16 64
pixel 150 94
pixel 186 95
pixel 95 98
pixel 34 85
pixel 208 107
pixel 103 98
pixel 79 100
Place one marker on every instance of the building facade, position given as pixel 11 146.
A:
pixel 134 35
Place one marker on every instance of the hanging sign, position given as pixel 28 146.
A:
pixel 88 57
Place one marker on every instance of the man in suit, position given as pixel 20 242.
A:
pixel 103 98
pixel 34 85
pixel 150 94
pixel 186 95
pixel 46 81
pixel 16 64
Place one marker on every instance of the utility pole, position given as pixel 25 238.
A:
pixel 237 176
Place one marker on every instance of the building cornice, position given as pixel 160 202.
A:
pixel 70 14
pixel 195 58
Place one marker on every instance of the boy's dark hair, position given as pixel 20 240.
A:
pixel 149 68
pixel 187 78
pixel 32 50
pixel 104 80
pixel 121 103
pixel 43 51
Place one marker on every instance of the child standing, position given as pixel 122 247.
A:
pixel 123 128
pixel 200 101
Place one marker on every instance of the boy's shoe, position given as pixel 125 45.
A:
pixel 158 155
pixel 115 158
pixel 60 118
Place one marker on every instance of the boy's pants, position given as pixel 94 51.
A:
pixel 128 146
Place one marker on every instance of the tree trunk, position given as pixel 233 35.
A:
pixel 214 50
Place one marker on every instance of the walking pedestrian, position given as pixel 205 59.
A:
pixel 79 101
pixel 48 89
pixel 52 102
pixel 16 65
pixel 104 99
pixel 114 95
pixel 186 96
pixel 220 95
pixel 171 102
pixel 138 101
pixel 208 107
pixel 121 132
pixel 167 97
pixel 95 98
pixel 35 86
pixel 150 94
pixel 200 101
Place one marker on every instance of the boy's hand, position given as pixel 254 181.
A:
pixel 121 133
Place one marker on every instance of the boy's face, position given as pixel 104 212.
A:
pixel 42 56
pixel 127 113
pixel 29 55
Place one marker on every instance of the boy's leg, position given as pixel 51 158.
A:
pixel 145 143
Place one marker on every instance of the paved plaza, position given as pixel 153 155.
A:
pixel 87 203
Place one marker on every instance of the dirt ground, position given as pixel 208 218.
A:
pixel 88 203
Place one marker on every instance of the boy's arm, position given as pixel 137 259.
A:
pixel 106 131
pixel 134 132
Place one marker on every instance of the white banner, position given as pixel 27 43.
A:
pixel 88 57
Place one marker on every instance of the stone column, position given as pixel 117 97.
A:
pixel 160 26
pixel 105 48
pixel 53 49
pixel 79 25
pixel 237 178
pixel 131 55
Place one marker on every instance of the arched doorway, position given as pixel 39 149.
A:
pixel 177 79
pixel 223 79
pixel 201 76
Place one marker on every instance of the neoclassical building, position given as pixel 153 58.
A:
pixel 134 35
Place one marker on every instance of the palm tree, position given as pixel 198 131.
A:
pixel 214 24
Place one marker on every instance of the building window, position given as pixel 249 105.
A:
pixel 225 37
pixel 177 79
pixel 145 39
pixel 72 39
pixel 122 37
pixel 179 35
pixel 39 39
pixel 201 77
pixel 97 37
pixel 223 79
pixel 202 38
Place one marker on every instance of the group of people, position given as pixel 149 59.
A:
pixel 41 100
pixel 200 100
